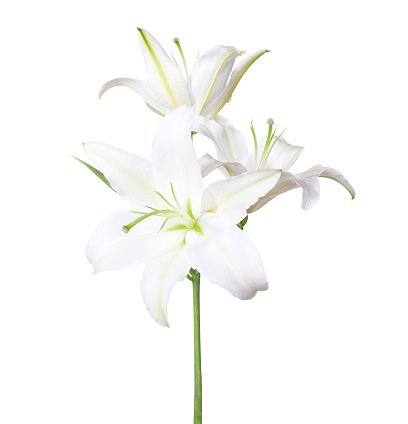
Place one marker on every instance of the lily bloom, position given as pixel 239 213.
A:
pixel 174 223
pixel 271 152
pixel 209 86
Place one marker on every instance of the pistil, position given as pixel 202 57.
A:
pixel 268 146
pixel 177 43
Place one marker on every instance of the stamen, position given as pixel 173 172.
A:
pixel 162 212
pixel 165 200
pixel 277 138
pixel 270 123
pixel 175 198
pixel 175 61
pixel 256 145
pixel 164 223
pixel 177 43
pixel 269 138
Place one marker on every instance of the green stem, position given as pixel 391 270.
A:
pixel 198 396
pixel 194 277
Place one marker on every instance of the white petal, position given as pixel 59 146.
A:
pixel 210 74
pixel 233 146
pixel 229 142
pixel 160 275
pixel 308 181
pixel 325 172
pixel 229 169
pixel 163 75
pixel 209 128
pixel 174 154
pixel 110 248
pixel 211 109
pixel 287 181
pixel 131 176
pixel 213 130
pixel 282 156
pixel 141 88
pixel 234 196
pixel 311 191
pixel 225 255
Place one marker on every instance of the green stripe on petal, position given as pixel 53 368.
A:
pixel 159 68
pixel 347 187
pixel 212 109
pixel 210 88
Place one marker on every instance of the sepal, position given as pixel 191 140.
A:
pixel 99 174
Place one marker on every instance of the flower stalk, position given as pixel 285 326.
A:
pixel 194 277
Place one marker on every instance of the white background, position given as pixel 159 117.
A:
pixel 327 343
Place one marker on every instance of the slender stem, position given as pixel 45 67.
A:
pixel 194 277
pixel 198 396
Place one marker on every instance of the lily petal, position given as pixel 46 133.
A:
pixel 282 156
pixel 287 182
pixel 131 176
pixel 225 255
pixel 308 181
pixel 234 196
pixel 234 147
pixel 229 142
pixel 229 169
pixel 325 172
pixel 174 154
pixel 110 248
pixel 163 75
pixel 141 88
pixel 210 74
pixel 211 109
pixel 209 128
pixel 310 192
pixel 159 277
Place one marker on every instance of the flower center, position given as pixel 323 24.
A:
pixel 182 218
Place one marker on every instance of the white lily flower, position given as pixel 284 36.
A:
pixel 209 86
pixel 272 152
pixel 175 225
